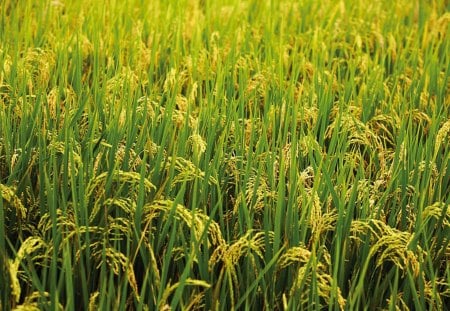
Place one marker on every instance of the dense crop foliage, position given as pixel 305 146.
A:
pixel 246 155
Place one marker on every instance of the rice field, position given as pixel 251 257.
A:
pixel 224 155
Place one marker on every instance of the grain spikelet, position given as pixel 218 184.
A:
pixel 230 254
pixel 170 80
pixel 300 256
pixel 152 148
pixel 27 307
pixel 400 303
pixel 171 288
pixel 93 301
pixel 438 211
pixel 187 171
pixel 258 86
pixel 122 84
pixel 424 166
pixel 60 147
pixel 250 244
pixel 29 246
pixel 36 301
pixel 358 132
pixel 385 126
pixel 126 205
pixel 8 194
pixel 153 264
pixel 296 254
pixel 66 224
pixel 118 228
pixel 195 220
pixel 370 192
pixel 442 136
pixel 37 65
pixel 194 20
pixel 320 222
pixel 420 118
pixel 306 177
pixel 403 154
pixel 309 143
pixel 359 228
pixel 307 116
pixel 182 103
pixel 121 152
pixel 195 302
pixel 96 185
pixel 257 192
pixel 58 102
pixel 147 107
pixel 198 145
pixel 131 276
pixel 179 118
pixel 6 67
pixel 435 211
pixel 117 262
pixel 325 287
pixel 389 244
pixel 394 247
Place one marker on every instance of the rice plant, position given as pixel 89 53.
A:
pixel 224 155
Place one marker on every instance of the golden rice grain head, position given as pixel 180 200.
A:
pixel 127 205
pixel 296 254
pixel 8 194
pixel 442 136
pixel 37 301
pixel 359 228
pixel 131 276
pixel 196 220
pixel 193 93
pixel 170 81
pixel 400 304
pixel 29 246
pixel 151 147
pixel 6 92
pixel 124 83
pixel 196 301
pixel 309 143
pixel 251 245
pixel 153 261
pixel 436 211
pixel 389 244
pixel 162 305
pixel 93 301
pixel 187 171
pixel 147 106
pixel 54 103
pixel 165 307
pixel 14 280
pixel 231 254
pixel 182 103
pixel 325 287
pixel 96 185
pixel 39 65
pixel 324 223
pixel 306 177
pixel 74 151
pixel 303 278
pixel 257 191
pixel 315 212
pixel 7 63
pixel 115 260
pixel 198 144
pixel 65 221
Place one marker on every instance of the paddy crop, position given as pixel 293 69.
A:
pixel 224 155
